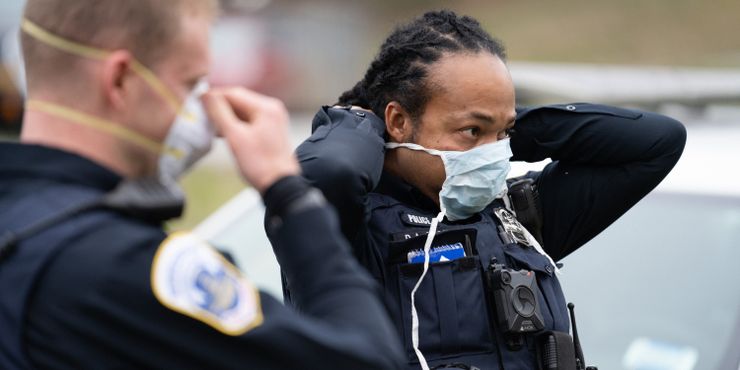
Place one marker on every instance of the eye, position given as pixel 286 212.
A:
pixel 507 133
pixel 190 84
pixel 472 132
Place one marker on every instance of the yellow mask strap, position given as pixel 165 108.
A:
pixel 100 125
pixel 75 48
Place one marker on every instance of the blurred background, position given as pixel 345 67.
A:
pixel 308 52
pixel 660 289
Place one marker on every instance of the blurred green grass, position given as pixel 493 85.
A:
pixel 206 188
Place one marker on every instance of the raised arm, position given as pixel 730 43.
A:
pixel 344 158
pixel 345 324
pixel 341 322
pixel 605 159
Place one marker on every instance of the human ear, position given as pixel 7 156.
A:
pixel 398 123
pixel 115 78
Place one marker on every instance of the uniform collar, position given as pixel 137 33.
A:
pixel 35 161
pixel 404 192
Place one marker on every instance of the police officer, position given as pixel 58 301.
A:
pixel 88 277
pixel 419 184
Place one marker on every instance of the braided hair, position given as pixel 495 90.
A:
pixel 399 71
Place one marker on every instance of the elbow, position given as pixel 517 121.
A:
pixel 675 137
pixel 675 134
pixel 671 137
pixel 668 142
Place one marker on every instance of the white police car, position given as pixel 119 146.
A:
pixel 659 289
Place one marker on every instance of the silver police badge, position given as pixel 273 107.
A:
pixel 511 227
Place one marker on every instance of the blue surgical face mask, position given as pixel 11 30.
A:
pixel 474 178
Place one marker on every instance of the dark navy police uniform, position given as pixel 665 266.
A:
pixel 105 289
pixel 604 160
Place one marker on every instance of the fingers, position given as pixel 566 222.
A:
pixel 220 112
pixel 249 105
pixel 256 128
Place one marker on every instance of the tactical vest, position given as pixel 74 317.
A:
pixel 455 307
pixel 22 268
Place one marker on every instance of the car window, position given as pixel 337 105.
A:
pixel 659 288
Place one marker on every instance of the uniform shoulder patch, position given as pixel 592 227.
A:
pixel 188 276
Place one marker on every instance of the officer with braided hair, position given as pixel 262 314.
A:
pixel 415 158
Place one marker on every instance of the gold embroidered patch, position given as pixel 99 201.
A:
pixel 190 277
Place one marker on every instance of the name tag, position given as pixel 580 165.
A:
pixel 416 220
pixel 442 253
pixel 448 245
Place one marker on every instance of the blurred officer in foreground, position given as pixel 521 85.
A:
pixel 88 277
pixel 469 264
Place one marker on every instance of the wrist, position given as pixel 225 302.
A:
pixel 277 173
pixel 289 195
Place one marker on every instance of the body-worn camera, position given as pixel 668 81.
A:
pixel 515 297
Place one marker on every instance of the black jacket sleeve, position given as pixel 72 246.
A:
pixel 345 323
pixel 605 159
pixel 344 158
pixel 95 306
